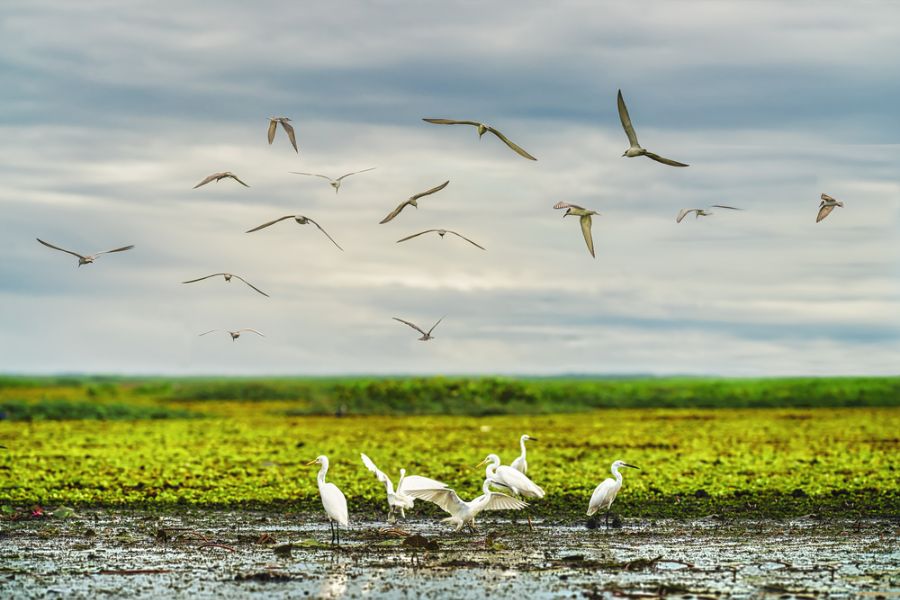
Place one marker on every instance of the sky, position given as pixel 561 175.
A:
pixel 110 112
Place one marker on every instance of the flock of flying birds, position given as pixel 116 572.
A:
pixel 584 215
pixel 513 478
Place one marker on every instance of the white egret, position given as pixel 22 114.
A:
pixel 605 493
pixel 333 501
pixel 515 481
pixel 464 513
pixel 520 464
pixel 400 499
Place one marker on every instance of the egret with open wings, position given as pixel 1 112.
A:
pixel 464 513
pixel 400 499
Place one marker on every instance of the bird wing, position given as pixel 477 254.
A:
pixel 824 211
pixel 586 231
pixel 207 180
pixel 445 498
pixel 626 122
pixel 394 212
pixel 202 278
pixel 413 325
pixel 205 332
pixel 260 333
pixel 431 191
pixel 665 161
pixel 354 173
pixel 238 179
pixel 436 324
pixel 251 285
pixel 122 249
pixel 603 496
pixel 388 484
pixel 501 501
pixel 312 175
pixel 451 122
pixel 467 239
pixel 566 205
pixel 58 248
pixel 517 149
pixel 728 207
pixel 264 225
pixel 326 233
pixel 289 129
pixel 273 125
pixel 512 478
pixel 826 197
pixel 417 482
pixel 683 213
pixel 409 237
pixel 335 503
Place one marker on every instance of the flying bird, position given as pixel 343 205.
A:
pixel 520 464
pixel 301 220
pixel 333 501
pixel 285 124
pixel 826 206
pixel 605 493
pixel 400 499
pixel 412 201
pixel 635 148
pixel 482 129
pixel 335 183
pixel 84 259
pixel 700 212
pixel 585 218
pixel 425 335
pixel 442 233
pixel 464 513
pixel 234 334
pixel 217 176
pixel 228 277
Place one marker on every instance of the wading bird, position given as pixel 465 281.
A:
pixel 426 335
pixel 285 124
pixel 515 481
pixel 826 206
pixel 217 176
pixel 84 259
pixel 585 218
pixel 520 464
pixel 412 201
pixel 605 493
pixel 482 129
pixel 228 277
pixel 234 334
pixel 700 212
pixel 400 499
pixel 442 233
pixel 301 220
pixel 635 148
pixel 333 501
pixel 335 183
pixel 464 513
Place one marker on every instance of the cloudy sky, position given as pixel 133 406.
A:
pixel 111 111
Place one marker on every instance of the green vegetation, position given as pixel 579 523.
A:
pixel 469 396
pixel 63 410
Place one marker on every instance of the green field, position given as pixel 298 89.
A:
pixel 166 444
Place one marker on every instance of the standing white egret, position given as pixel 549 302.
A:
pixel 605 493
pixel 515 481
pixel 520 464
pixel 400 499
pixel 464 513
pixel 333 501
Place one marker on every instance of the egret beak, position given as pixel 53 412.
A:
pixel 312 462
pixel 531 439
pixel 630 466
pixel 624 154
pixel 484 462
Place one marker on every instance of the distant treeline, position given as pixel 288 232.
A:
pixel 486 395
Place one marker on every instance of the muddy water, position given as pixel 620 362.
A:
pixel 223 554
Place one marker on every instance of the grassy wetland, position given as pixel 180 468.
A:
pixel 128 485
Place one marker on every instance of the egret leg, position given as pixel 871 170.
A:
pixel 337 529
pixel 530 526
pixel 402 513
pixel 607 518
pixel 331 523
pixel 391 515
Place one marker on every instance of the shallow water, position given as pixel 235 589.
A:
pixel 230 554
